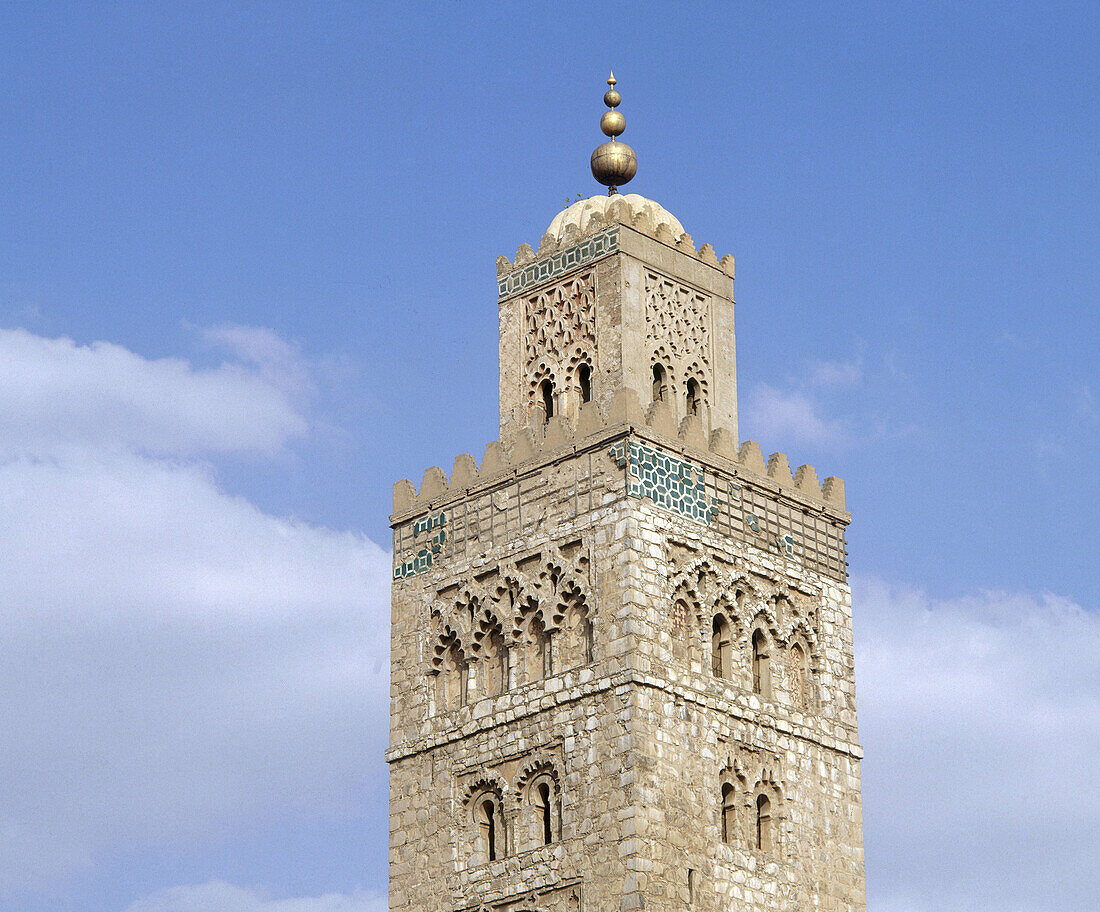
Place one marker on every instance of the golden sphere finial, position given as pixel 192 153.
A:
pixel 613 163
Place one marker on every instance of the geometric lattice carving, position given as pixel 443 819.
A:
pixel 560 332
pixel 678 331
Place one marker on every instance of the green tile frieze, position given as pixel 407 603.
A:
pixel 559 263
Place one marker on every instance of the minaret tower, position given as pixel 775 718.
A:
pixel 621 658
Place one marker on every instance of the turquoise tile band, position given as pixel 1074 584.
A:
pixel 559 263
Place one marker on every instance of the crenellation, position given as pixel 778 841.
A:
pixel 526 444
pixel 779 469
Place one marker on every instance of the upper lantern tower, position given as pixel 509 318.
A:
pixel 616 296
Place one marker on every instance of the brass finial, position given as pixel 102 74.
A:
pixel 613 163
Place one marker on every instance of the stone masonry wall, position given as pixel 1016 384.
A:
pixel 638 735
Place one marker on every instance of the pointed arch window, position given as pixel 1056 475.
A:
pixel 494 662
pixel 544 818
pixel 453 677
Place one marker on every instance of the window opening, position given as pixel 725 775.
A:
pixel 658 383
pixel 720 647
pixel 693 396
pixel 488 826
pixel 763 823
pixel 542 799
pixel 547 390
pixel 729 813
pixel 584 380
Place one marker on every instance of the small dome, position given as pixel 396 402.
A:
pixel 579 214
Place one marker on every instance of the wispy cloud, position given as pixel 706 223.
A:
pixel 835 373
pixel 56 395
pixel 218 896
pixel 791 416
pixel 980 716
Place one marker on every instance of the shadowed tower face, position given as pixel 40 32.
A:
pixel 622 669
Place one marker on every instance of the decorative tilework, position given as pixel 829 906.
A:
pixel 786 542
pixel 549 267
pixel 427 523
pixel 423 558
pixel 670 482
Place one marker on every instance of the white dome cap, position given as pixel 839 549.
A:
pixel 580 213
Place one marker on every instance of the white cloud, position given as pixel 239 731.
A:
pixel 218 896
pixel 771 414
pixel 175 665
pixel 55 394
pixel 981 720
pixel 835 373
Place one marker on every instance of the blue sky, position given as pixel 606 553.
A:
pixel 247 280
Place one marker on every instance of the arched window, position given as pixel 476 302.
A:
pixel 545 810
pixel 729 814
pixel 546 390
pixel 487 828
pixel 720 647
pixel 800 675
pixel 761 665
pixel 693 397
pixel 763 823
pixel 658 383
pixel 584 381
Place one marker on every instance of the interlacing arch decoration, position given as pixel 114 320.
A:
pixel 699 611
pixel 491 652
pixel 687 613
pixel 451 670
pixel 573 626
pixel 524 627
pixel 800 672
pixel 532 642
pixel 752 637
pixel 678 330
